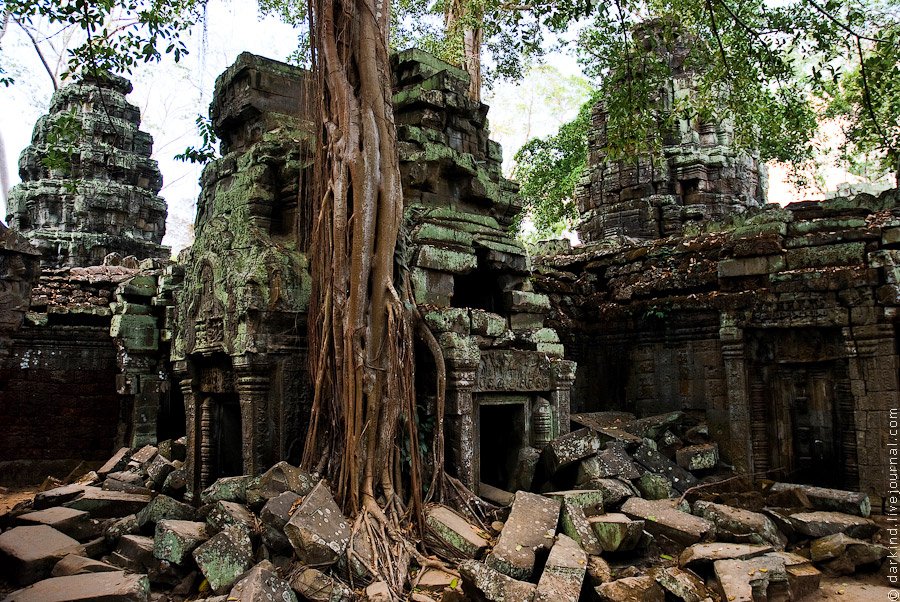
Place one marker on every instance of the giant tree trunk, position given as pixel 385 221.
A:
pixel 463 20
pixel 360 332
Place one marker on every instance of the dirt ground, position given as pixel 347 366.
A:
pixel 11 497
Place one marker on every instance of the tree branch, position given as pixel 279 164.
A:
pixel 40 54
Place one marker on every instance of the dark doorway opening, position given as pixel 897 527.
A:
pixel 502 434
pixel 226 437
pixel 479 289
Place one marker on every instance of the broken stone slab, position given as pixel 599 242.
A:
pixel 273 517
pixel 701 555
pixel 118 461
pixel 108 504
pixel 563 572
pixel 163 507
pixel 574 523
pixel 657 463
pixel 821 523
pixel 530 528
pixel 315 586
pixel 652 427
pixel 158 470
pixel 144 456
pixel 662 517
pixel 134 553
pixel 278 479
pixel 127 525
pixel 598 571
pixel 750 580
pixel 317 530
pixel 704 456
pixel 526 465
pixel 176 483
pixel 74 523
pixel 231 513
pixel 438 584
pixel 112 483
pixel 29 553
pixel 570 448
pixel 495 495
pixel 176 539
pixel 685 585
pixel 378 592
pixel 654 486
pixel 836 500
pixel 57 496
pixel 483 583
pixel 843 554
pixel 741 526
pixel 224 557
pixel 631 589
pixel 615 491
pixel 590 500
pixel 73 564
pixel 454 534
pixel 96 587
pixel 261 584
pixel 803 578
pixel 613 461
pixel 228 489
pixel 616 532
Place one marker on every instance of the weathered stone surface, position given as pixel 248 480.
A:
pixel 683 584
pixel 158 470
pixel 661 517
pixel 316 586
pixel 74 523
pixel 144 456
pixel 616 532
pixel 229 489
pixel 29 553
pixel 109 504
pixel 836 500
pixel 698 457
pixel 57 496
pixel 163 507
pixel 651 427
pixel 483 583
pixel 574 523
pixel 378 592
pixel 96 587
pixel 631 589
pixel 613 461
pixel 803 577
pixel 73 564
pixel 134 553
pixel 274 516
pixel 453 533
pixel 657 463
pixel 701 554
pixel 654 486
pixel 230 513
pixel 571 448
pixel 843 554
pixel 530 527
pixel 598 571
pixel 821 523
pixel 563 572
pixel 117 462
pixel 260 584
pixel 750 580
pixel 318 530
pixel 742 526
pixel 224 557
pixel 615 491
pixel 176 539
pixel 278 479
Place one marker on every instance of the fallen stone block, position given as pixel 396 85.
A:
pixel 278 479
pixel 574 523
pixel 501 497
pixel 261 584
pixel 176 539
pixel 73 564
pixel 842 554
pixel 526 465
pixel 378 592
pixel 438 585
pixel 317 530
pixel 95 587
pixel 273 517
pixel 759 578
pixel 231 513
pixel 451 533
pixel 158 470
pixel 176 483
pixel 530 527
pixel 114 484
pixel 482 583
pixel 741 526
pixel 836 500
pixel 118 461
pixel 162 507
pixel 224 557
pixel 563 572
pixel 651 427
pixel 657 463
pixel 654 486
pixel 616 532
pixel 820 524
pixel 29 553
pixel 570 448
pixel 134 553
pixel 108 504
pixel 615 491
pixel 316 586
pixel 788 498
pixel 698 457
pixel 57 496
pixel 127 525
pixel 662 518
pixel 74 523
pixel 701 555
pixel 803 578
pixel 683 584
pixel 228 489
pixel 144 456
pixel 613 461
pixel 631 589
pixel 590 500
pixel 598 571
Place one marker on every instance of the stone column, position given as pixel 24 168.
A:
pixel 460 420
pixel 205 442
pixel 739 446
pixel 562 377
pixel 252 383
pixel 190 430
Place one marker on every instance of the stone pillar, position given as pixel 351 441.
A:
pixel 190 429
pixel 739 446
pixel 205 442
pixel 460 419
pixel 562 376
pixel 252 383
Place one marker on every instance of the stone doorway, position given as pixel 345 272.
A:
pixel 503 430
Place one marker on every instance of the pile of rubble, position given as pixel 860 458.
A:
pixel 125 532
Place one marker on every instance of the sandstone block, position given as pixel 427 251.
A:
pixel 452 532
pixel 73 564
pixel 743 526
pixel 176 539
pixel 631 589
pixel 530 528
pixel 481 582
pixel 109 504
pixel 661 517
pixel 698 457
pixel 563 573
pixel 836 500
pixel 318 530
pixel 821 524
pixel 683 584
pixel 95 587
pixel 703 554
pixel 29 553
pixel 224 557
pixel 657 463
pixel 74 523
pixel 261 584
pixel 571 448
pixel 316 586
pixel 163 507
pixel 274 516
pixel 616 532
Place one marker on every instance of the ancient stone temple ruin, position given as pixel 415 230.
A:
pixel 89 186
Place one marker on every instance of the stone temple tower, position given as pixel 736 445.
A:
pixel 100 193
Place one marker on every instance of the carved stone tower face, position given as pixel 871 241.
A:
pixel 699 174
pixel 89 186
